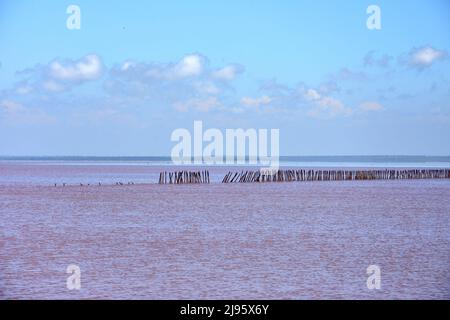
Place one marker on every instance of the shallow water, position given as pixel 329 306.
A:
pixel 221 241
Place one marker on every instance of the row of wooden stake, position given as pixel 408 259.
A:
pixel 190 177
pixel 184 177
pixel 334 175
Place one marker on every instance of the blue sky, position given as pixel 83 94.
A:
pixel 136 71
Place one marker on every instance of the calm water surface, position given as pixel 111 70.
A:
pixel 248 241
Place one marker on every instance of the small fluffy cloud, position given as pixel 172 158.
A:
pixel 190 65
pixel 328 107
pixel 126 65
pixel 87 68
pixel 256 102
pixel 59 75
pixel 324 106
pixel 228 72
pixel 312 94
pixel 424 57
pixel 371 106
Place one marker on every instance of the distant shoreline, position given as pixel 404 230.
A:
pixel 331 159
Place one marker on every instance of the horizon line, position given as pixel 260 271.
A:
pixel 13 157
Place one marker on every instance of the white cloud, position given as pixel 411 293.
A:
pixel 190 65
pixel 126 65
pixel 227 73
pixel 425 56
pixel 256 102
pixel 312 94
pixel 324 106
pixel 58 75
pixel 371 106
pixel 327 107
pixel 188 84
pixel 87 68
